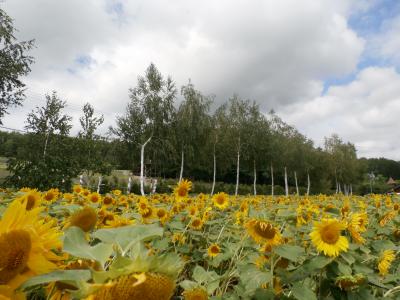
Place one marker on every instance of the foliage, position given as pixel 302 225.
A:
pixel 14 63
pixel 47 158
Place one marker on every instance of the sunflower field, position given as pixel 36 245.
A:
pixel 83 245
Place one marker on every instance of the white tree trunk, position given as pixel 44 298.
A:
pixel 295 181
pixel 182 162
pixel 272 181
pixel 255 178
pixel 337 184
pixel 99 183
pixel 340 188
pixel 286 184
pixel 153 191
pixel 237 169
pixel 351 190
pixel 129 188
pixel 45 144
pixel 142 166
pixel 308 184
pixel 214 172
pixel 81 182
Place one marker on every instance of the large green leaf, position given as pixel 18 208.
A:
pixel 127 236
pixel 290 252
pixel 302 292
pixel 76 244
pixel 253 278
pixel 60 275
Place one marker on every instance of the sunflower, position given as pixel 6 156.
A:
pixel 108 201
pixel 178 238
pixel 355 226
pixel 94 197
pixel 118 221
pixel 68 196
pixel 143 205
pixel 123 200
pixel 32 199
pixel 192 210
pixel 349 282
pixel 143 286
pixel 162 215
pixel 85 219
pixel 263 232
pixel 195 294
pixel 387 218
pixel 116 192
pixel 148 213
pixel 213 250
pixel 26 242
pixel 77 188
pixel 196 223
pixel 385 261
pixel 326 237
pixel 221 200
pixel 182 189
pixel 51 195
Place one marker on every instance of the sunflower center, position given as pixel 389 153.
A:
pixel 160 213
pixel 147 213
pixel 330 234
pixel 214 249
pixel 49 196
pixel 182 191
pixel 14 248
pixel 86 219
pixel 220 200
pixel 265 230
pixel 30 202
pixel 107 200
pixel 196 223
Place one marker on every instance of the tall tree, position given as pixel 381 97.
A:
pixel 49 159
pixel 148 117
pixel 91 149
pixel 14 63
pixel 192 126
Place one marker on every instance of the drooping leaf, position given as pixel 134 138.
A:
pixel 125 237
pixel 76 244
pixel 60 275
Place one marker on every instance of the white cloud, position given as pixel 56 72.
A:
pixel 276 52
pixel 365 112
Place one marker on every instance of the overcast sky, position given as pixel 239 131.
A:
pixel 324 66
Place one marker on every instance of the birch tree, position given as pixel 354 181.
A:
pixel 193 125
pixel 148 116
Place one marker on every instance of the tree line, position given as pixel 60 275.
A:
pixel 156 137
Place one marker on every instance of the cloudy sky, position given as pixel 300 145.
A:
pixel 324 66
